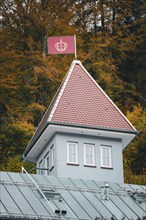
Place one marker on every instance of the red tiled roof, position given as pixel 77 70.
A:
pixel 81 101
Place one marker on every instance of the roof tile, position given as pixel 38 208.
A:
pixel 81 101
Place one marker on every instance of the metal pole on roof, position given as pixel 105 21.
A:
pixel 40 191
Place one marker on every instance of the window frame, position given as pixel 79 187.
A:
pixel 52 159
pixel 41 164
pixel 108 159
pixel 76 162
pixel 93 164
pixel 47 165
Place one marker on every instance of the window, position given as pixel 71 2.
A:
pixel 47 163
pixel 72 152
pixel 89 154
pixel 52 157
pixel 41 167
pixel 106 156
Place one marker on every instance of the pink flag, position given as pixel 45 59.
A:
pixel 61 45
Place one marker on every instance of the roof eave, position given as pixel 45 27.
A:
pixel 33 141
pixel 40 132
pixel 96 127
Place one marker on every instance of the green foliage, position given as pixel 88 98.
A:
pixel 14 139
pixel 134 154
pixel 129 177
pixel 111 45
pixel 14 164
pixel 138 117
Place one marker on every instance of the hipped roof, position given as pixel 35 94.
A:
pixel 80 101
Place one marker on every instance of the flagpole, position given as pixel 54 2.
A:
pixel 44 46
pixel 75 46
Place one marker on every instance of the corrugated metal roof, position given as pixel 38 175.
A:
pixel 81 199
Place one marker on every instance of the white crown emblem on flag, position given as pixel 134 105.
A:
pixel 61 46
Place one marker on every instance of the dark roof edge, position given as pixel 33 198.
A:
pixel 95 127
pixel 77 126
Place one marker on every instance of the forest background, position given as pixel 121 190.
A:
pixel 111 44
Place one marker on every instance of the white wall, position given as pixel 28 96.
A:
pixel 46 151
pixel 98 173
pixel 95 173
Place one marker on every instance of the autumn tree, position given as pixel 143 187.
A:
pixel 110 43
pixel 135 154
pixel 28 80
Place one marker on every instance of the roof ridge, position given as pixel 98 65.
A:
pixel 61 89
pixel 107 96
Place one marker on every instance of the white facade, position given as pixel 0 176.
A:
pixel 82 133
pixel 83 156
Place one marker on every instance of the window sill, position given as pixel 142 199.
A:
pixel 110 168
pixel 92 166
pixel 73 164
